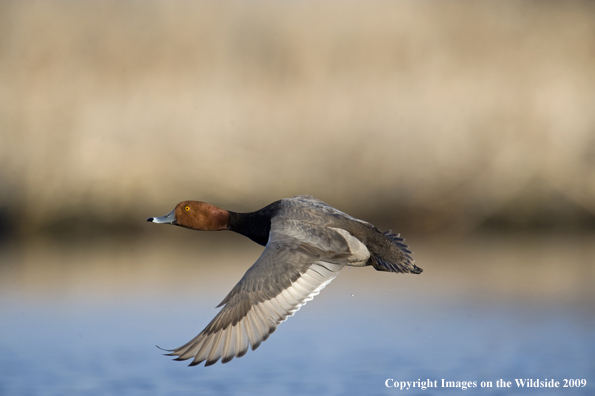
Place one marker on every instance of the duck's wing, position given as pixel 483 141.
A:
pixel 300 259
pixel 319 207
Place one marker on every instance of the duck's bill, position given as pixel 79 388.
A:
pixel 169 218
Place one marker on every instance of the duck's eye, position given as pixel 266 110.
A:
pixel 187 208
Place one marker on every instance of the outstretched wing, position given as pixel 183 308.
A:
pixel 300 259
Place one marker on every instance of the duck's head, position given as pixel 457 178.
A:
pixel 195 215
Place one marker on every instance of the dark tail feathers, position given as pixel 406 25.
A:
pixel 404 265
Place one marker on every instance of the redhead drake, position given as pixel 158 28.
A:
pixel 307 243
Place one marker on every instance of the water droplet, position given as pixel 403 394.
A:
pixel 352 295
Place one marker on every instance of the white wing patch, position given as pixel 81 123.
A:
pixel 359 252
pixel 260 321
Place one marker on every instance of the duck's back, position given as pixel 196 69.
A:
pixel 387 251
pixel 312 210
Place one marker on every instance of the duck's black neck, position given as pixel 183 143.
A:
pixel 254 225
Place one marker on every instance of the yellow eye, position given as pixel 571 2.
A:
pixel 186 208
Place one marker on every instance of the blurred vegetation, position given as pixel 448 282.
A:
pixel 424 116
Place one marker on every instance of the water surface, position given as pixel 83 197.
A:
pixel 85 319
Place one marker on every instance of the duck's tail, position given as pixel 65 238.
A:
pixel 403 264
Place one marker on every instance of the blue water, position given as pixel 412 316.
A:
pixel 101 349
pixel 85 321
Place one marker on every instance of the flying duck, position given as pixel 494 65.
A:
pixel 307 242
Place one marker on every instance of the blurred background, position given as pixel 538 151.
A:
pixel 468 127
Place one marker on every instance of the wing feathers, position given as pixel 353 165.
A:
pixel 245 342
pixel 216 349
pixel 257 324
pixel 249 329
pixel 286 276
pixel 228 346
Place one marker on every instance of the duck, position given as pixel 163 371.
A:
pixel 307 242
